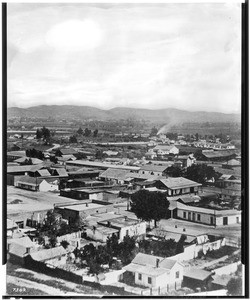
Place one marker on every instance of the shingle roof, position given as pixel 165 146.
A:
pixel 178 182
pixel 47 254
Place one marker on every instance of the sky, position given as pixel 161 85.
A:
pixel 153 56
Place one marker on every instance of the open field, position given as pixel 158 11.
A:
pixel 21 281
pixel 32 201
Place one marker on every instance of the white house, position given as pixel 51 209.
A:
pixel 126 226
pixel 155 272
pixel 162 150
pixel 207 215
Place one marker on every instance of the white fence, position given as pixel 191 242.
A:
pixel 229 269
pixel 192 251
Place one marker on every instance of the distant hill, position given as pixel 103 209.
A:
pixel 168 115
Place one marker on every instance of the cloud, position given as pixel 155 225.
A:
pixel 152 56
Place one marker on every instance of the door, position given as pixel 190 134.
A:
pixel 225 221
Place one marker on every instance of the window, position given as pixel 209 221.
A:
pixel 184 215
pixel 237 220
pixel 177 275
pixel 139 276
pixel 198 217
pixel 126 232
pixel 149 280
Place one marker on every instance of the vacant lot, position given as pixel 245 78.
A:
pixel 28 201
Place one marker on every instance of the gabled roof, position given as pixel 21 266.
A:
pixel 43 172
pixel 146 259
pixel 178 182
pixel 16 169
pixel 47 254
pixel 61 172
pixel 197 274
pixel 35 161
pixel 150 265
pixel 153 168
pixel 226 177
pixel 11 224
pixel 18 250
pixel 29 180
pixel 114 173
pixel 67 151
pixel 164 147
pixel 232 162
pixel 22 241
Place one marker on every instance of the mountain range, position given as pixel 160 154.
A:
pixel 168 115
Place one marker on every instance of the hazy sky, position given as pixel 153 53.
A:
pixel 186 56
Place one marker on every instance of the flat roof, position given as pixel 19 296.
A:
pixel 82 207
pixel 100 165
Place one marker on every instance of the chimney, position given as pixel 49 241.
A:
pixel 126 218
pixel 28 250
pixel 157 262
pixel 184 229
pixel 109 223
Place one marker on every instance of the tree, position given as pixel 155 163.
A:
pixel 38 134
pixel 150 205
pixel 46 134
pixel 87 132
pixel 99 154
pixel 154 131
pixel 201 173
pixel 174 171
pixel 234 286
pixel 52 241
pixel 180 244
pixel 64 244
pixel 113 245
pixel 52 223
pixel 80 131
pixel 127 250
pixel 95 133
pixel 73 139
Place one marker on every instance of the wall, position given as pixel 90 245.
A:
pixel 192 251
pixel 134 230
pixel 58 261
pixel 229 269
pixel 45 187
pixel 230 219
pixel 144 280
pixel 112 277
